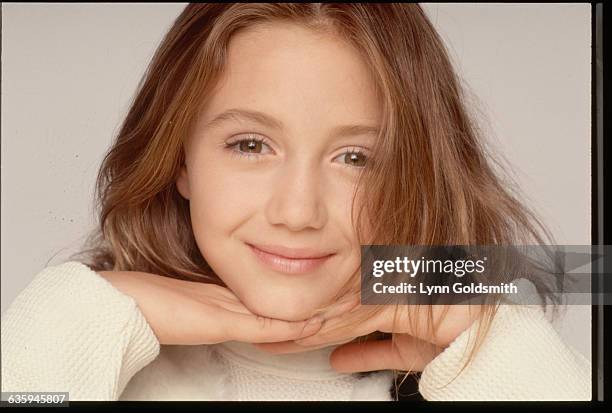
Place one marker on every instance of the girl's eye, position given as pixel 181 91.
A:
pixel 253 146
pixel 353 158
pixel 249 146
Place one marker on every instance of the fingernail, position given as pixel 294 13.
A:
pixel 313 324
pixel 351 303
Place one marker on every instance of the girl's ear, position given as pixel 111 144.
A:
pixel 182 182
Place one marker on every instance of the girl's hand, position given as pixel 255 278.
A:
pixel 413 349
pixel 189 313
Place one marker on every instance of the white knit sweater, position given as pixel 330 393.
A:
pixel 71 330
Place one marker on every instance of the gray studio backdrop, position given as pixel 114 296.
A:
pixel 70 70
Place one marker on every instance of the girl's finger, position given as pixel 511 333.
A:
pixel 257 329
pixel 344 327
pixel 381 355
pixel 286 347
pixel 340 308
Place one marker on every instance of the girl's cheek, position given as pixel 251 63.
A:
pixel 225 197
pixel 340 195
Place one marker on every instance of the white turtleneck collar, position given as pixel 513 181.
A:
pixel 309 364
pixel 253 374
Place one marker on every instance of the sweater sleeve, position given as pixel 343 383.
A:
pixel 521 358
pixel 71 331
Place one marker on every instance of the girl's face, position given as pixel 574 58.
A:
pixel 272 164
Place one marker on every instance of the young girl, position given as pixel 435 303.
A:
pixel 266 143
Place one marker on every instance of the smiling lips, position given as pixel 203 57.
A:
pixel 290 260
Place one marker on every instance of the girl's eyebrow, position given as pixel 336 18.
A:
pixel 271 122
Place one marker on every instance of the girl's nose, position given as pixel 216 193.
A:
pixel 297 200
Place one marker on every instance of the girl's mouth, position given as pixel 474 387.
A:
pixel 290 260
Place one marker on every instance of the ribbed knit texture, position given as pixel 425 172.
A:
pixel 522 358
pixel 71 330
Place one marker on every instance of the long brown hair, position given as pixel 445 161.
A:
pixel 430 182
